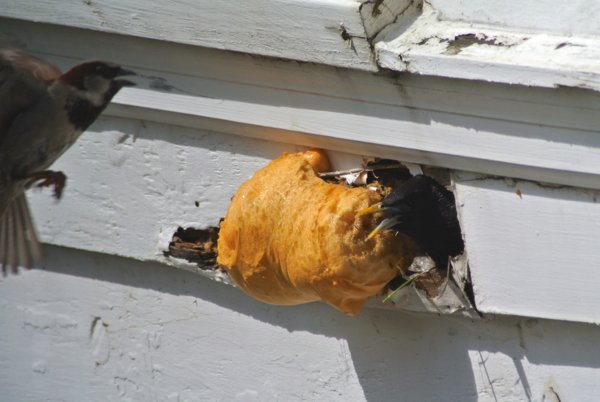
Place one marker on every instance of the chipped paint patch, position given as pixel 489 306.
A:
pixel 463 41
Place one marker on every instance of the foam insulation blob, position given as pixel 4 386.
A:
pixel 289 238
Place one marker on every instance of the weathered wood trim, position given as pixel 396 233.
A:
pixel 327 32
pixel 432 45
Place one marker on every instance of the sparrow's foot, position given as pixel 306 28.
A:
pixel 48 178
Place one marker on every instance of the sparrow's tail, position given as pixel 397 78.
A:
pixel 19 245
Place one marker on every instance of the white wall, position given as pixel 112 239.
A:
pixel 92 327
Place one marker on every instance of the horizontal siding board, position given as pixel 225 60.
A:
pixel 533 249
pixel 132 183
pixel 473 139
pixel 292 29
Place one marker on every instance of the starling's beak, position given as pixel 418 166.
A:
pixel 125 83
pixel 369 210
pixel 385 224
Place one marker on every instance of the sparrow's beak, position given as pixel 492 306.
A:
pixel 124 72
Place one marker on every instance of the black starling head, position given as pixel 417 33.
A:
pixel 425 211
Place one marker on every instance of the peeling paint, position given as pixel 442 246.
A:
pixel 460 42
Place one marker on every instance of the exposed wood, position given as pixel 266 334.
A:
pixel 197 246
pixel 533 249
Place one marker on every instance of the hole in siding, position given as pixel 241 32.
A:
pixel 198 246
pixel 445 282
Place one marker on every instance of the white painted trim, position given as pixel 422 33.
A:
pixel 309 31
pixel 429 45
pixel 427 137
pixel 560 17
pixel 341 33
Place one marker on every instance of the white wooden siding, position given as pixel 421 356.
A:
pixel 533 249
pixel 202 123
pixel 94 327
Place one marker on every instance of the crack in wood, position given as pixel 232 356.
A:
pixel 347 38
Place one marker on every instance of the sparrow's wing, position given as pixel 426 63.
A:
pixel 23 81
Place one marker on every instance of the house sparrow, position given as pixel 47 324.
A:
pixel 42 113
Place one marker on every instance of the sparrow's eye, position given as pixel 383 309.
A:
pixel 103 70
pixel 100 69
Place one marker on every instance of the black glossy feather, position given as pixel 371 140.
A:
pixel 426 212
